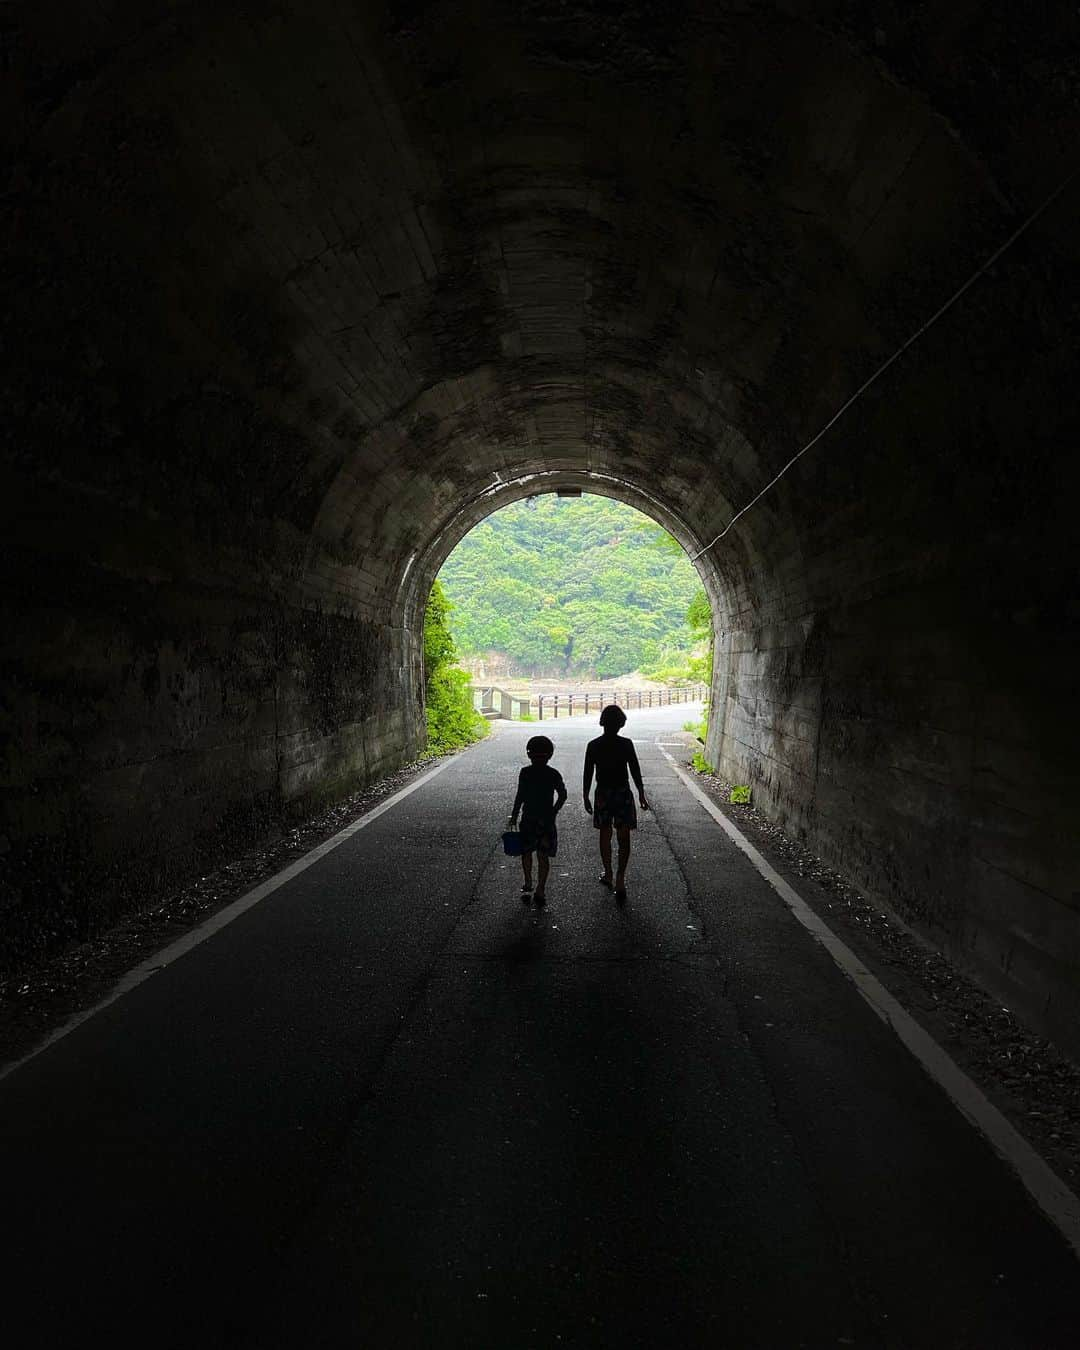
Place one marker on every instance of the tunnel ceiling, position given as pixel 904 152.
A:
pixel 407 251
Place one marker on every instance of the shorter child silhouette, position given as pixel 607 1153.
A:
pixel 540 796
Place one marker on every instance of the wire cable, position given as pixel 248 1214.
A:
pixel 1030 220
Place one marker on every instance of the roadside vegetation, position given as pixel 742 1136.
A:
pixel 452 722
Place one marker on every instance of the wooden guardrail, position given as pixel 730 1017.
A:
pixel 494 702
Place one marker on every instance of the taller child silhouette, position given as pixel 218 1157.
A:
pixel 614 760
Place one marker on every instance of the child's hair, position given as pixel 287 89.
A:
pixel 613 716
pixel 539 747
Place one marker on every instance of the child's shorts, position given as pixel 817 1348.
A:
pixel 615 807
pixel 539 836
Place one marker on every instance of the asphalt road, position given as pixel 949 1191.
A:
pixel 391 1105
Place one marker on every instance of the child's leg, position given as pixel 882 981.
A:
pixel 526 867
pixel 605 848
pixel 623 836
pixel 543 866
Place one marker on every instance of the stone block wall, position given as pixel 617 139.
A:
pixel 905 707
pixel 163 728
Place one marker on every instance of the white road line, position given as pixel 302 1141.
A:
pixel 1045 1187
pixel 220 920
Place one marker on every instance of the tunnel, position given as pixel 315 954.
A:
pixel 299 293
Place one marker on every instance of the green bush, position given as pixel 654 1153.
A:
pixel 697 728
pixel 452 722
pixel 700 763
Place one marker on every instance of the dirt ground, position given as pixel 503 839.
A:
pixel 1027 1078
pixel 41 998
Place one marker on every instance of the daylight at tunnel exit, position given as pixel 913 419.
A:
pixel 539 802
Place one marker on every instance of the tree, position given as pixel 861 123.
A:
pixel 452 722
pixel 439 648
pixel 570 587
pixel 699 621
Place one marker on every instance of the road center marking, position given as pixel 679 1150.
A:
pixel 1045 1187
pixel 175 950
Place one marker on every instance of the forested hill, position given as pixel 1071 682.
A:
pixel 570 586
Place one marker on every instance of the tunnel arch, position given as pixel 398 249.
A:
pixel 418 582
pixel 460 439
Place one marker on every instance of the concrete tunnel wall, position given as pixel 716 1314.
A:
pixel 295 286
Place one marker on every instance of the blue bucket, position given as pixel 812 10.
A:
pixel 512 844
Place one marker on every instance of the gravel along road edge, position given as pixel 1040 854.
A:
pixel 1018 1088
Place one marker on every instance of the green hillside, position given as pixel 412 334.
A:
pixel 564 586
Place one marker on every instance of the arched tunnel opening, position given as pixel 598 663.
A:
pixel 301 294
pixel 576 486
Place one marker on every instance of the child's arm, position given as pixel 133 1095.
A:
pixel 560 791
pixel 517 799
pixel 586 779
pixel 635 774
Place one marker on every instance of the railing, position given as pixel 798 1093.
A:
pixel 494 702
